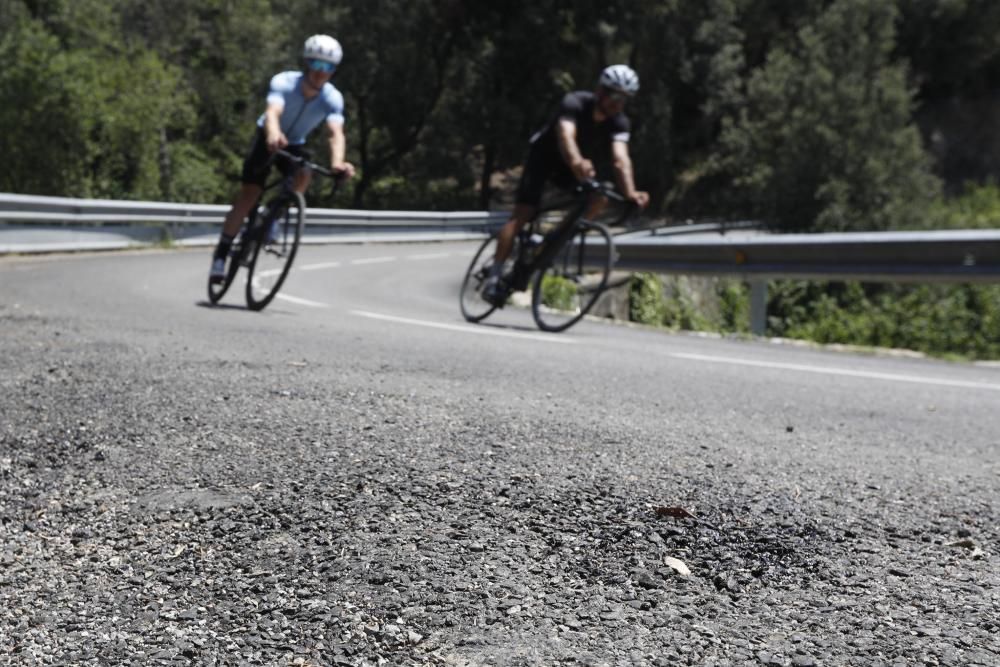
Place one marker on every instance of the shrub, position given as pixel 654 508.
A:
pixel 558 293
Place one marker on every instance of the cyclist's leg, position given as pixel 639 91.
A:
pixel 247 197
pixel 494 289
pixel 595 206
pixel 529 195
pixel 522 215
pixel 255 169
pixel 245 200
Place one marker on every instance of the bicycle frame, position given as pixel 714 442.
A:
pixel 553 242
pixel 286 187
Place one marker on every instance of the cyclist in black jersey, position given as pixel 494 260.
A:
pixel 562 153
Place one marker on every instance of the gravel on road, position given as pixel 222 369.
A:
pixel 159 507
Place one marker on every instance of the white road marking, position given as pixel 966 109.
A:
pixel 286 297
pixel 827 370
pixel 300 301
pixel 487 331
pixel 317 267
pixel 437 255
pixel 373 260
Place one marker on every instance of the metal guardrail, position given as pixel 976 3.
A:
pixel 957 256
pixel 48 224
pixel 931 256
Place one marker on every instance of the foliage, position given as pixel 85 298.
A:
pixel 646 304
pixel 558 293
pixel 800 111
pixel 943 320
pixel 961 321
pixel 734 302
pixel 79 129
pixel 39 120
pixel 826 141
pixel 978 207
pixel 715 305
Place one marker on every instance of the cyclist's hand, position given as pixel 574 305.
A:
pixel 640 199
pixel 343 170
pixel 583 169
pixel 276 142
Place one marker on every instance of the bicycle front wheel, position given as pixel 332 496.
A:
pixel 567 288
pixel 274 253
pixel 216 290
pixel 474 306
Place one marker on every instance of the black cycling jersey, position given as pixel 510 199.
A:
pixel 592 137
pixel 545 162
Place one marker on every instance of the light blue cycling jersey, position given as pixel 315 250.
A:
pixel 299 116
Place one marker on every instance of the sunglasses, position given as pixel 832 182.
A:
pixel 319 65
pixel 617 97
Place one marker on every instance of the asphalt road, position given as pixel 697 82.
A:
pixel 357 476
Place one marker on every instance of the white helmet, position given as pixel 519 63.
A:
pixel 621 78
pixel 323 47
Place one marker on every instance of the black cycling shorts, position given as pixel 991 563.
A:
pixel 540 169
pixel 258 163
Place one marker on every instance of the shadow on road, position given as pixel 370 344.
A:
pixel 272 309
pixel 219 306
pixel 510 327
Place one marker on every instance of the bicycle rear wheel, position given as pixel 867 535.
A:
pixel 271 261
pixel 567 288
pixel 216 290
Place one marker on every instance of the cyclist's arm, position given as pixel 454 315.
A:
pixel 622 162
pixel 570 151
pixel 272 127
pixel 338 148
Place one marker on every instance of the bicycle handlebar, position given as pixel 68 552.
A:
pixel 605 189
pixel 630 210
pixel 303 162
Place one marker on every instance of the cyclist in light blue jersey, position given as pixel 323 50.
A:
pixel 297 103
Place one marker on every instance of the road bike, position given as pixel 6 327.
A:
pixel 269 238
pixel 566 266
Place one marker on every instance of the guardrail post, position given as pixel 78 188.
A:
pixel 758 307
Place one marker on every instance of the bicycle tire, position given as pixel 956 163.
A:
pixel 263 282
pixel 565 289
pixel 474 307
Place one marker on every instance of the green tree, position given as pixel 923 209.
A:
pixel 953 48
pixel 41 131
pixel 826 140
pixel 227 51
pixel 86 119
